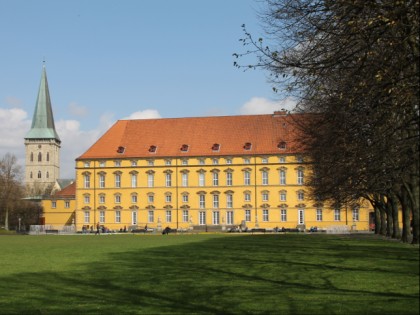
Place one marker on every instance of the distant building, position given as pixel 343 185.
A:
pixel 42 145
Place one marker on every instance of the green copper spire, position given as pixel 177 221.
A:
pixel 43 121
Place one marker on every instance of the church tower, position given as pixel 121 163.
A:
pixel 42 145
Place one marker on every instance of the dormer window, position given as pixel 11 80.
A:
pixel 247 146
pixel 282 145
pixel 152 149
pixel 215 147
pixel 120 150
pixel 184 148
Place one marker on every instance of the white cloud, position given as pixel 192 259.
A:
pixel 13 101
pixel 77 110
pixel 260 105
pixel 144 114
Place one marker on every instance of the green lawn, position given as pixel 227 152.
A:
pixel 207 274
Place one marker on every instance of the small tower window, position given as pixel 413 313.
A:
pixel 31 175
pixel 152 149
pixel 32 156
pixel 247 146
pixel 120 150
pixel 48 156
pixel 184 148
pixel 39 157
pixel 39 174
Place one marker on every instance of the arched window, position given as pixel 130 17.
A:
pixel 39 157
pixel 31 175
pixel 32 156
pixel 48 156
pixel 39 174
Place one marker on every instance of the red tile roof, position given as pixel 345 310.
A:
pixel 67 192
pixel 264 132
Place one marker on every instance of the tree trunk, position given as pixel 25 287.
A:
pixel 406 224
pixel 396 232
pixel 377 220
pixel 389 218
pixel 383 221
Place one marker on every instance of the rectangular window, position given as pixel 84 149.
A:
pixel 150 180
pixel 117 216
pixel 87 199
pixel 201 179
pixel 356 214
pixel 185 198
pixel 229 201
pixel 53 204
pixel 301 196
pixel 247 197
pixel 184 162
pixel 301 216
pixel 133 198
pixel 168 216
pixel 247 178
pixel 216 217
pixel 265 196
pixel 101 181
pixel 185 179
pixel 265 215
pixel 248 215
pixel 86 181
pixel 202 202
pixel 150 198
pixel 282 177
pixel 215 179
pixel 319 214
pixel 168 180
pixel 117 180
pixel 215 161
pixel 151 216
pixel 283 215
pixel 202 217
pixel 134 217
pixel 247 161
pixel 283 196
pixel 228 161
pixel 168 198
pixel 215 201
pixel 133 180
pixel 102 216
pixel 337 215
pixel 264 178
pixel 168 162
pixel 101 198
pixel 66 204
pixel 229 180
pixel 185 216
pixel 300 177
pixel 87 216
pixel 117 198
pixel 229 217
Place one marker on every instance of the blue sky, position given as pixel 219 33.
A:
pixel 108 60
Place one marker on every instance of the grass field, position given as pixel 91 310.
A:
pixel 207 274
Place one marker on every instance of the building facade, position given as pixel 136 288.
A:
pixel 42 145
pixel 206 173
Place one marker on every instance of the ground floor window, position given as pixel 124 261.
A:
pixel 151 216
pixel 301 216
pixel 248 215
pixel 117 216
pixel 283 215
pixel 216 217
pixel 356 214
pixel 229 217
pixel 265 215
pixel 202 217
pixel 185 216
pixel 87 216
pixel 168 216
pixel 134 218
pixel 337 215
pixel 319 214
pixel 102 216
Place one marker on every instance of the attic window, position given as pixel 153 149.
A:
pixel 152 149
pixel 281 145
pixel 247 146
pixel 120 150
pixel 184 148
pixel 215 147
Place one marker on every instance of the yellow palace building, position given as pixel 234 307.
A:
pixel 200 174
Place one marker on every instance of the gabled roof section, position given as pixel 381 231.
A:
pixel 43 120
pixel 264 132
pixel 67 192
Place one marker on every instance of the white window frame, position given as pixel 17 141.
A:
pixel 229 179
pixel 283 215
pixel 247 215
pixel 229 217
pixel 87 217
pixel 247 178
pixel 229 201
pixel 168 179
pixel 216 201
pixel 117 216
pixel 202 217
pixel 216 217
pixel 265 215
pixel 319 214
pixel 102 216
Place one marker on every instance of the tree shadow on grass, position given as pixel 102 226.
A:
pixel 268 274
